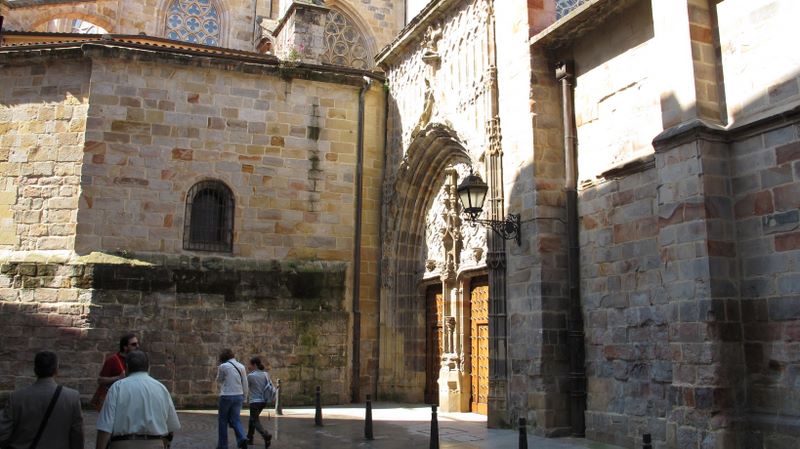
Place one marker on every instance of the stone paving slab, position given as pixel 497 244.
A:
pixel 394 427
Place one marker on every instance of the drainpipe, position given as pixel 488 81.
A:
pixel 565 74
pixel 355 382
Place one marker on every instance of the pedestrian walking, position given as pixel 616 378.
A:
pixel 45 414
pixel 138 412
pixel 232 383
pixel 261 391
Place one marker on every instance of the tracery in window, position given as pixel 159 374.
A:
pixel 564 7
pixel 344 44
pixel 208 223
pixel 195 21
pixel 67 25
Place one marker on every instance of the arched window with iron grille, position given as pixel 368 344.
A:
pixel 208 224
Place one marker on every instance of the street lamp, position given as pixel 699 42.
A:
pixel 472 194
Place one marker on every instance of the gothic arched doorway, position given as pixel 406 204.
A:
pixel 429 256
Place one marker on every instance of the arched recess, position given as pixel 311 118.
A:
pixel 418 179
pixel 357 23
pixel 42 24
pixel 221 7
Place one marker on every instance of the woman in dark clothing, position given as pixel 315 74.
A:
pixel 257 380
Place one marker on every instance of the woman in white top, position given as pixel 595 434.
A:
pixel 232 392
pixel 257 380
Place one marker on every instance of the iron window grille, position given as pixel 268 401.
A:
pixel 209 217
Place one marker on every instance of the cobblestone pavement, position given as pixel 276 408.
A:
pixel 394 427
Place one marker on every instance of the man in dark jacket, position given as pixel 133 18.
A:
pixel 25 411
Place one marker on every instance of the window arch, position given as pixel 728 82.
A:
pixel 208 223
pixel 345 44
pixel 195 21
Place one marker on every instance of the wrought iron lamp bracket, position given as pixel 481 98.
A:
pixel 509 228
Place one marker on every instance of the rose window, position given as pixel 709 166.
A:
pixel 195 21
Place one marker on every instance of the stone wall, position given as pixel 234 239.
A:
pixel 185 310
pixel 766 191
pixel 43 109
pixel 154 131
pixel 284 140
pixel 758 76
pixel 688 247
pixel 628 365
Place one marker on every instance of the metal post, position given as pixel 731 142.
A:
pixel 523 434
pixel 278 405
pixel 318 413
pixel 434 429
pixel 368 423
pixel 647 441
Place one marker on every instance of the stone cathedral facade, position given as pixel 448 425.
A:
pixel 281 177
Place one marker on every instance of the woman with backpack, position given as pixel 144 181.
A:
pixel 261 392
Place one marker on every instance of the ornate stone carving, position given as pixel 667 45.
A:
pixel 431 43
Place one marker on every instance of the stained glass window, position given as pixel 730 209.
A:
pixel 564 7
pixel 344 44
pixel 195 21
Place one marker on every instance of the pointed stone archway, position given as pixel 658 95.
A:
pixel 408 271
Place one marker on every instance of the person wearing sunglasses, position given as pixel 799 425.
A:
pixel 113 369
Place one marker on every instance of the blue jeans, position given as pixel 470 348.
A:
pixel 230 407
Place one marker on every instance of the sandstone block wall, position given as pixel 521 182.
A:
pixel 185 310
pixel 628 363
pixel 155 130
pixel 43 109
pixel 688 264
pixel 758 76
pixel 287 149
pixel 766 191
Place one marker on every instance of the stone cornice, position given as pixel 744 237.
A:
pixel 28 3
pixel 698 129
pixel 255 64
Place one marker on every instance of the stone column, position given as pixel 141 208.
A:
pixel 700 278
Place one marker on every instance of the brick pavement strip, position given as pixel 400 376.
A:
pixel 396 427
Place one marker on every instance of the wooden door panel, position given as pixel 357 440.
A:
pixel 434 306
pixel 479 345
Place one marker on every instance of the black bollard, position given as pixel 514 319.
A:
pixel 523 434
pixel 647 441
pixel 434 429
pixel 368 423
pixel 318 413
pixel 278 406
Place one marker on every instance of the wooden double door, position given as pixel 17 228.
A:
pixel 478 338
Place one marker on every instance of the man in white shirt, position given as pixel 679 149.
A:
pixel 232 383
pixel 138 411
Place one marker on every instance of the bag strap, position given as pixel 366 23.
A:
pixel 240 373
pixel 47 414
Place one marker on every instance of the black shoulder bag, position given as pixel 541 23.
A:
pixel 240 374
pixel 46 418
